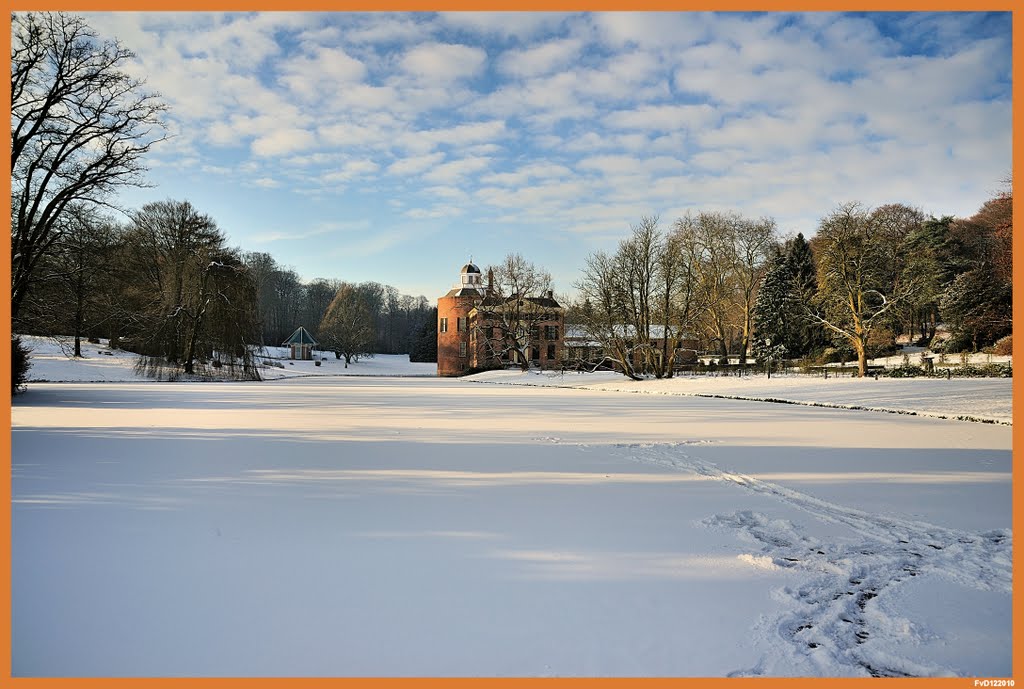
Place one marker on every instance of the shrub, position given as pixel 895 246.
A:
pixel 881 342
pixel 905 371
pixel 1003 346
pixel 958 342
pixel 20 365
pixel 835 355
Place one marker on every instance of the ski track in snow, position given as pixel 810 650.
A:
pixel 834 624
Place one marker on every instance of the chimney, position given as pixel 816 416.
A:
pixel 551 295
pixel 490 280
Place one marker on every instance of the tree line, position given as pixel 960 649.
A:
pixel 867 277
pixel 167 285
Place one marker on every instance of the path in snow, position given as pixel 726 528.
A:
pixel 835 618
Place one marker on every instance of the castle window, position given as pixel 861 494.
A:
pixel 444 325
pixel 462 325
pixel 462 349
pixel 550 332
pixel 551 352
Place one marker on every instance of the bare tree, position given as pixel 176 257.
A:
pixel 752 241
pixel 79 129
pixel 860 276
pixel 175 248
pixel 728 254
pixel 517 307
pixel 349 326
pixel 76 274
pixel 317 298
pixel 600 316
pixel 640 300
pixel 705 241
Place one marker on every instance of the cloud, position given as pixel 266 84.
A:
pixel 540 59
pixel 350 171
pixel 592 141
pixel 505 24
pixel 451 172
pixel 662 117
pixel 437 211
pixel 415 164
pixel 652 29
pixel 540 199
pixel 378 131
pixel 282 142
pixel 581 122
pixel 388 28
pixel 621 164
pixel 322 71
pixel 462 135
pixel 443 62
pixel 540 170
pixel 454 193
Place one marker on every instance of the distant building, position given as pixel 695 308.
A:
pixel 468 323
pixel 301 344
pixel 582 349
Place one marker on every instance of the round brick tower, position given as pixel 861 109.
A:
pixel 453 341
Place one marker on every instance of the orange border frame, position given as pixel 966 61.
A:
pixel 517 5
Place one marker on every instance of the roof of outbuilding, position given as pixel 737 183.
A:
pixel 300 336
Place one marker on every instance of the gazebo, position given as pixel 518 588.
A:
pixel 301 343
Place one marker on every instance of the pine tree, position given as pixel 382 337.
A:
pixel 777 314
pixel 808 336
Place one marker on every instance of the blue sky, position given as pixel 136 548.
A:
pixel 391 147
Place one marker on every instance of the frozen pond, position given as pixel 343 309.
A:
pixel 397 526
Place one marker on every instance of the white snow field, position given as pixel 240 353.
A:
pixel 52 362
pixel 360 526
pixel 978 399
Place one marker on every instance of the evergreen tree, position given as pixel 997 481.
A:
pixel 777 314
pixel 20 365
pixel 423 344
pixel 978 310
pixel 808 336
pixel 977 304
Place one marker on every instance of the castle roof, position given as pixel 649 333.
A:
pixel 464 292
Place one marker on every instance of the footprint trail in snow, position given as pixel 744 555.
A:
pixel 834 623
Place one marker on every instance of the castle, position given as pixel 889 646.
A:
pixel 479 328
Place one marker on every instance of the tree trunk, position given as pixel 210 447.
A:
pixel 79 315
pixel 197 323
pixel 862 357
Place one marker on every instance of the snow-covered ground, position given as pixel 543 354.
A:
pixel 52 362
pixel 978 399
pixel 354 526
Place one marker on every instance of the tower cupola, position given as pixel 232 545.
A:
pixel 471 278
